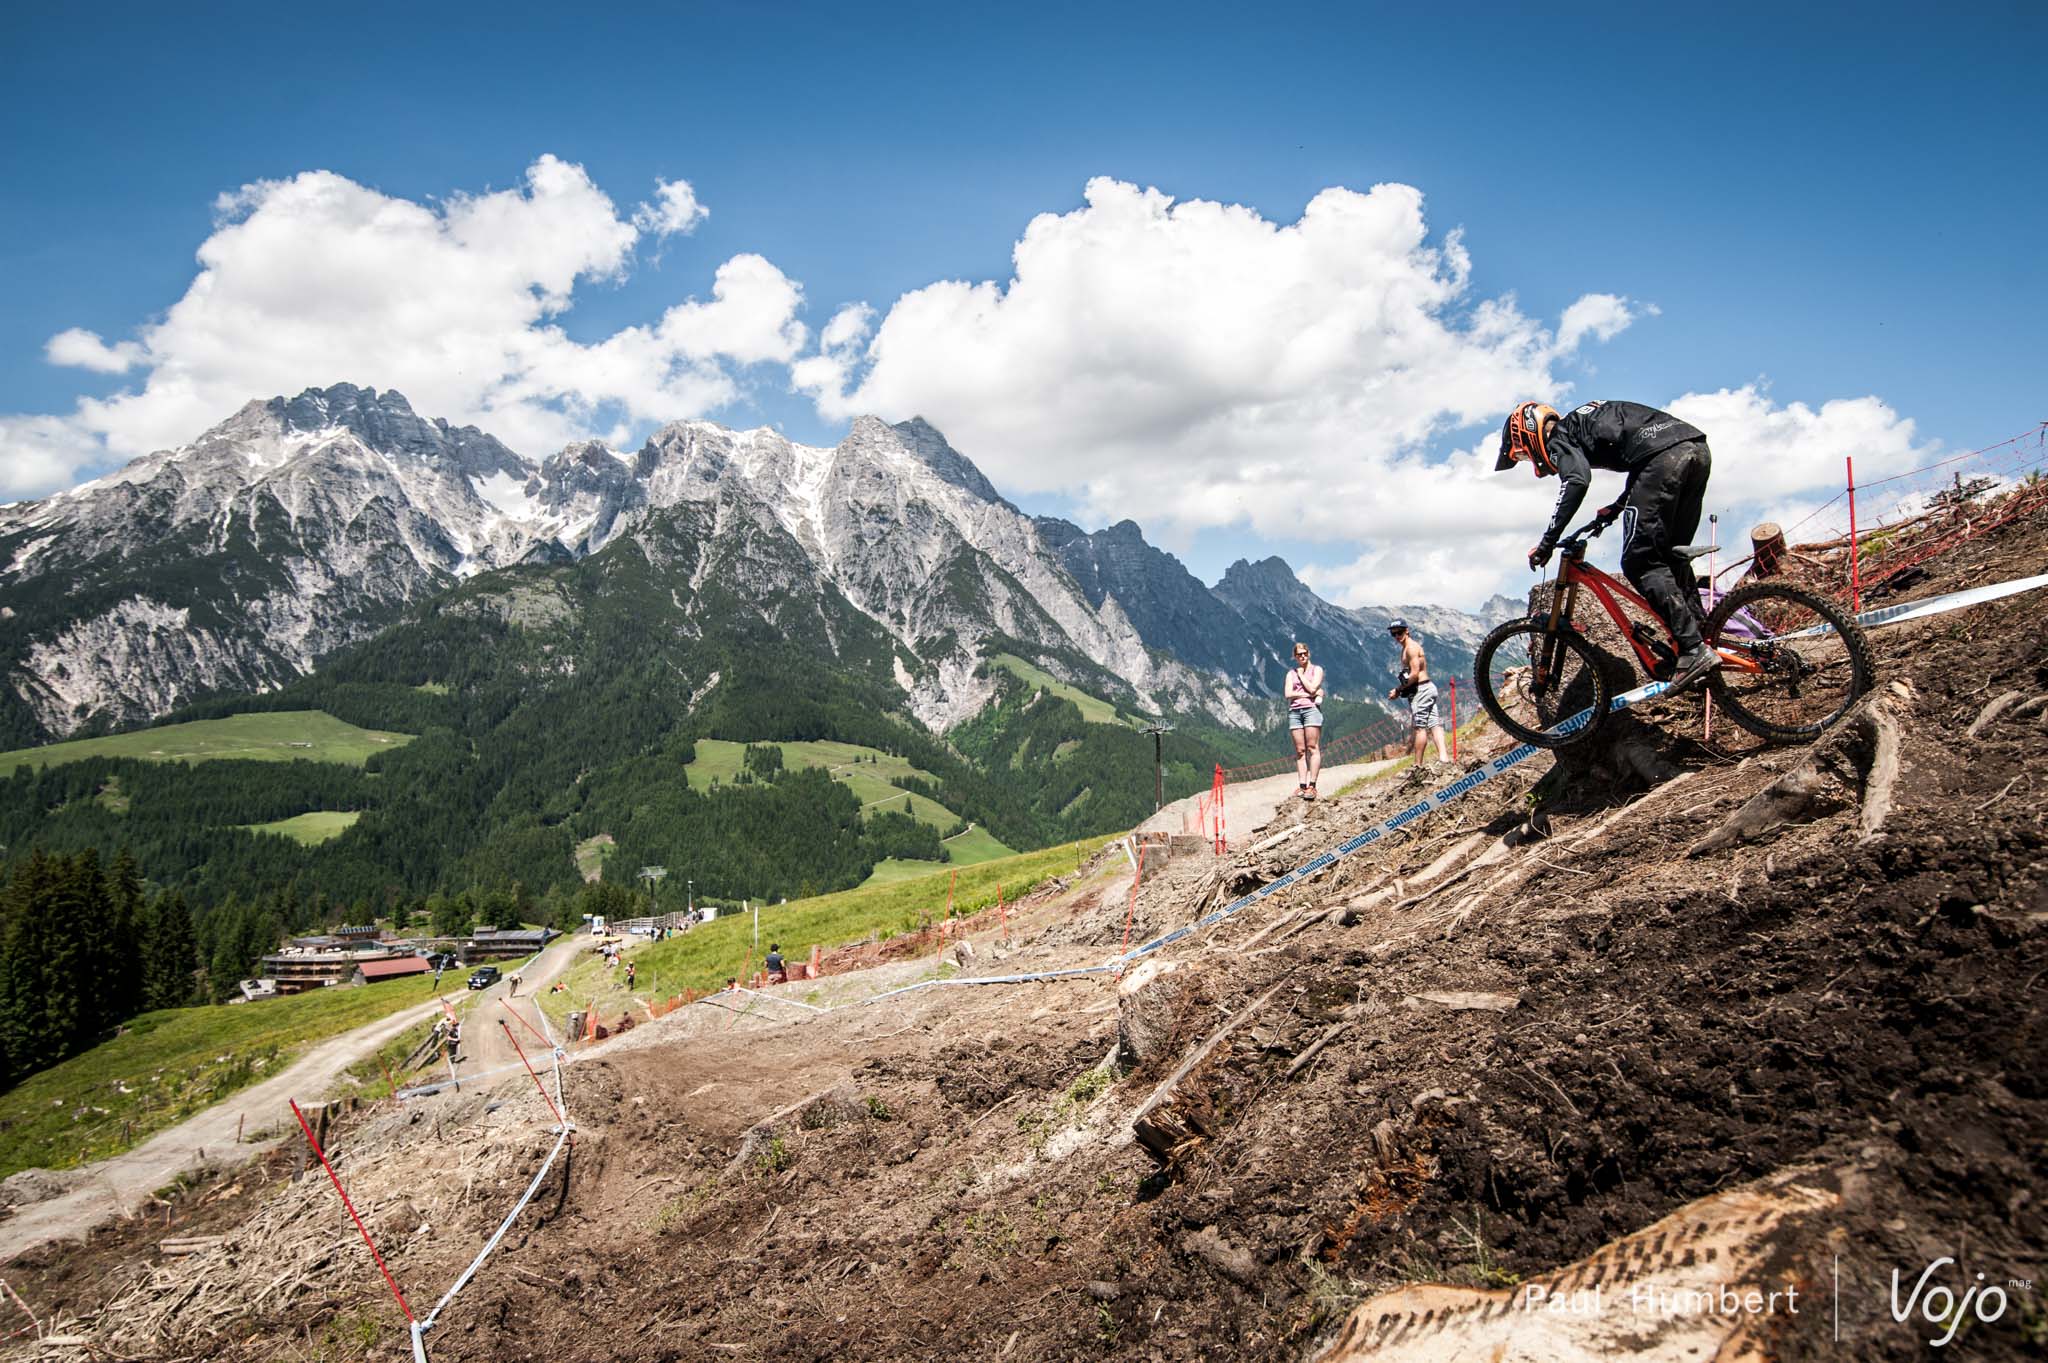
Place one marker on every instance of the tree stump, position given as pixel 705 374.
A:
pixel 1148 1003
pixel 1767 549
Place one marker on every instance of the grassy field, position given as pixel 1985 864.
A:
pixel 277 736
pixel 590 855
pixel 167 1065
pixel 709 954
pixel 890 870
pixel 867 772
pixel 1092 710
pixel 316 827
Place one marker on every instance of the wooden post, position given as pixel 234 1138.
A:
pixel 1767 549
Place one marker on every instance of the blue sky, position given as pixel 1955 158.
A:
pixel 1803 205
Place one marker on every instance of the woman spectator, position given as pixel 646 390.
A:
pixel 1304 692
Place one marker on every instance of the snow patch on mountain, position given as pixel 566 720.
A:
pixel 300 525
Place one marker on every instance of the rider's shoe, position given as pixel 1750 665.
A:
pixel 1693 665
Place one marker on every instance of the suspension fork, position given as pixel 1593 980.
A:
pixel 1563 597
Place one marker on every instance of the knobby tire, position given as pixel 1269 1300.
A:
pixel 1515 645
pixel 1809 683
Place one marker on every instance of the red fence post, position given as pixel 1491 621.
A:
pixel 334 1178
pixel 1454 719
pixel 1855 566
pixel 1137 878
pixel 1216 805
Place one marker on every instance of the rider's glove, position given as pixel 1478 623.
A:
pixel 1606 515
pixel 1539 556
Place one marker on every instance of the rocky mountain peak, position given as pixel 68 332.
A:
pixel 384 422
pixel 1268 579
pixel 922 439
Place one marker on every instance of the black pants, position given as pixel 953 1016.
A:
pixel 1660 509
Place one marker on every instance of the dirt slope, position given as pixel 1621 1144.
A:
pixel 208 1140
pixel 1490 1056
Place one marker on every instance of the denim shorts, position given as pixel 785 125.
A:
pixel 1311 718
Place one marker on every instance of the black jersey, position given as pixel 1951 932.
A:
pixel 1621 436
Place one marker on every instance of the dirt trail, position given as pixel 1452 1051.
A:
pixel 260 1114
pixel 1248 804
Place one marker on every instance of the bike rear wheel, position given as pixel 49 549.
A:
pixel 1814 658
pixel 1531 680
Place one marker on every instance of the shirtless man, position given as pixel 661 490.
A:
pixel 1420 691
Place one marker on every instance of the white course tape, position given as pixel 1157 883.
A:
pixel 422 1090
pixel 988 979
pixel 1936 605
pixel 421 1327
pixel 1429 804
pixel 777 998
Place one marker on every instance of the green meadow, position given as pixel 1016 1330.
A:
pixel 868 773
pixel 273 736
pixel 1092 710
pixel 167 1065
pixel 705 957
pixel 309 829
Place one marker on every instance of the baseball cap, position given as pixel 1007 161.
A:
pixel 1396 625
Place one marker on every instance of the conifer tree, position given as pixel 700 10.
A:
pixel 171 956
pixel 127 945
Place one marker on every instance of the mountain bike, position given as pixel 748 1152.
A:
pixel 1792 663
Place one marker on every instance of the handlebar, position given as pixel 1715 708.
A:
pixel 1575 542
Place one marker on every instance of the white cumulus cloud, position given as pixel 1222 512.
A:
pixel 38 453
pixel 1452 531
pixel 1193 364
pixel 675 210
pixel 458 304
pixel 85 350
pixel 1196 365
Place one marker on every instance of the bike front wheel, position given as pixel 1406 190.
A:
pixel 1796 661
pixel 1533 681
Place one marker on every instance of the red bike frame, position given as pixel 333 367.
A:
pixel 1576 572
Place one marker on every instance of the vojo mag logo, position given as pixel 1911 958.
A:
pixel 1981 1301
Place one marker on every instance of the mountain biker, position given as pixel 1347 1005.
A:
pixel 1667 464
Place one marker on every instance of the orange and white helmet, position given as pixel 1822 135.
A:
pixel 1521 437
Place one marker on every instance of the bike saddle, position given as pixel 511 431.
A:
pixel 1695 550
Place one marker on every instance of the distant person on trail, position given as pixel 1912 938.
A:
pixel 515 986
pixel 1304 691
pixel 773 964
pixel 631 970
pixel 1420 692
pixel 1667 464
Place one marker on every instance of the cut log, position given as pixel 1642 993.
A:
pixel 1330 1033
pixel 1767 549
pixel 1464 1001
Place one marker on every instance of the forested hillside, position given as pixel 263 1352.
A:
pixel 553 703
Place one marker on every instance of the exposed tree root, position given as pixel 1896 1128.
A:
pixel 1993 708
pixel 1859 760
